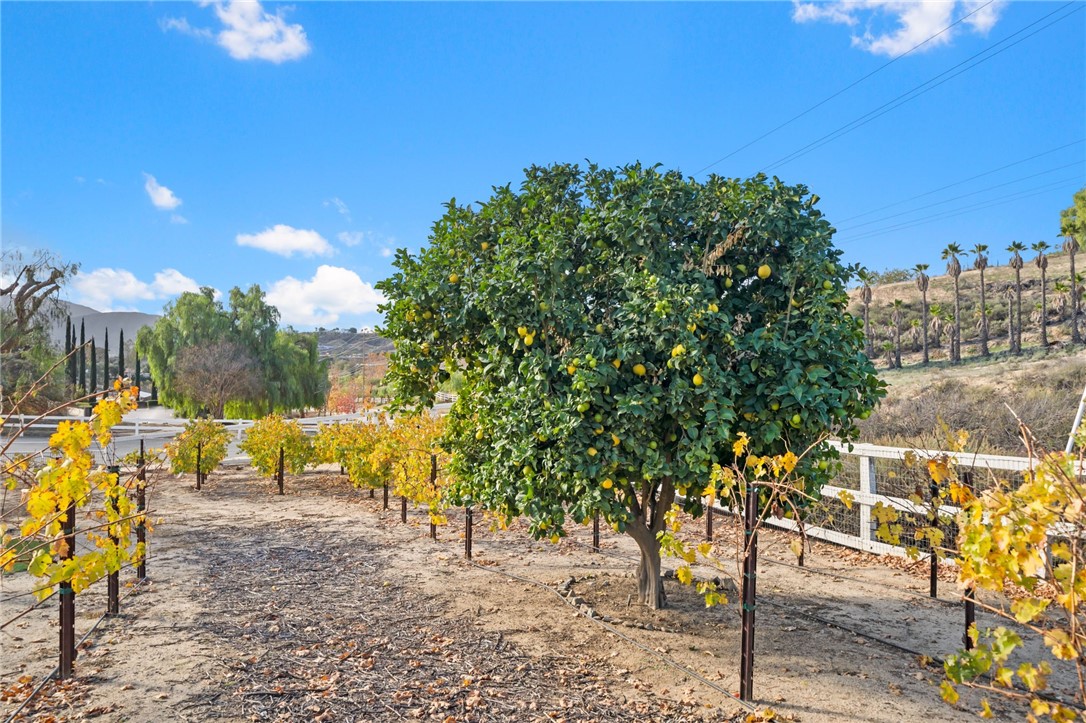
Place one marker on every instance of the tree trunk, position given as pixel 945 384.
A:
pixel 925 328
pixel 1075 338
pixel 1044 308
pixel 956 341
pixel 983 319
pixel 870 347
pixel 644 530
pixel 1018 312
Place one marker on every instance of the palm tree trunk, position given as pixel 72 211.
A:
pixel 983 319
pixel 1075 338
pixel 925 327
pixel 1044 308
pixel 956 342
pixel 870 348
pixel 897 344
pixel 1018 311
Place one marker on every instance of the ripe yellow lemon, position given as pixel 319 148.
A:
pixel 522 330
pixel 616 363
pixel 639 369
pixel 607 484
pixel 698 380
pixel 615 440
pixel 592 452
pixel 713 308
pixel 453 279
pixel 529 339
pixel 764 271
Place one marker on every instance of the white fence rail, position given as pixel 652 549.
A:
pixel 861 462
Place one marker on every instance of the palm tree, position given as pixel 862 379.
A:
pixel 1070 245
pixel 914 333
pixel 1008 293
pixel 1016 263
pixel 888 350
pixel 980 263
pixel 936 324
pixel 954 269
pixel 1041 262
pixel 1062 299
pixel 865 299
pixel 897 315
pixel 922 285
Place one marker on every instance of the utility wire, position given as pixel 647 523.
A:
pixel 851 85
pixel 964 180
pixel 1028 193
pixel 958 198
pixel 924 87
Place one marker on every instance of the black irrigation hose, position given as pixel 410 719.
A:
pixel 56 669
pixel 615 631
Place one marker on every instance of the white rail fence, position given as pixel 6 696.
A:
pixel 871 474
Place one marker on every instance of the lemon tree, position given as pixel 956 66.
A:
pixel 617 329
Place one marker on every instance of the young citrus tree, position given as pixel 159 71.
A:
pixel 617 330
pixel 264 439
pixel 366 468
pixel 409 452
pixel 204 435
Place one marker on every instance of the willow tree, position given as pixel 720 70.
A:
pixel 617 330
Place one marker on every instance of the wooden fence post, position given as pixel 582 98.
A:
pixel 750 580
pixel 141 508
pixel 280 470
pixel 67 604
pixel 199 465
pixel 113 579
pixel 468 515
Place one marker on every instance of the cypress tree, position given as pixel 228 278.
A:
pixel 136 377
pixel 105 364
pixel 120 355
pixel 94 367
pixel 73 362
pixel 82 357
pixel 68 348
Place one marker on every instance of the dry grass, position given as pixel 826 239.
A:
pixel 1042 389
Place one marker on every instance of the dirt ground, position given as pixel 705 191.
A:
pixel 322 606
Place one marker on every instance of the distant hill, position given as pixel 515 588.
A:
pixel 346 346
pixel 999 287
pixel 96 323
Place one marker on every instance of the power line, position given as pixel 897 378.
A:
pixel 851 85
pixel 921 89
pixel 964 195
pixel 1028 193
pixel 964 180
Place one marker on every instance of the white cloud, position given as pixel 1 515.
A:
pixel 178 218
pixel 162 197
pixel 893 27
pixel 107 289
pixel 332 292
pixel 250 32
pixel 340 206
pixel 181 25
pixel 286 241
pixel 171 282
pixel 350 238
pixel 386 252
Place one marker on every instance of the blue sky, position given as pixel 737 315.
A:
pixel 166 146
